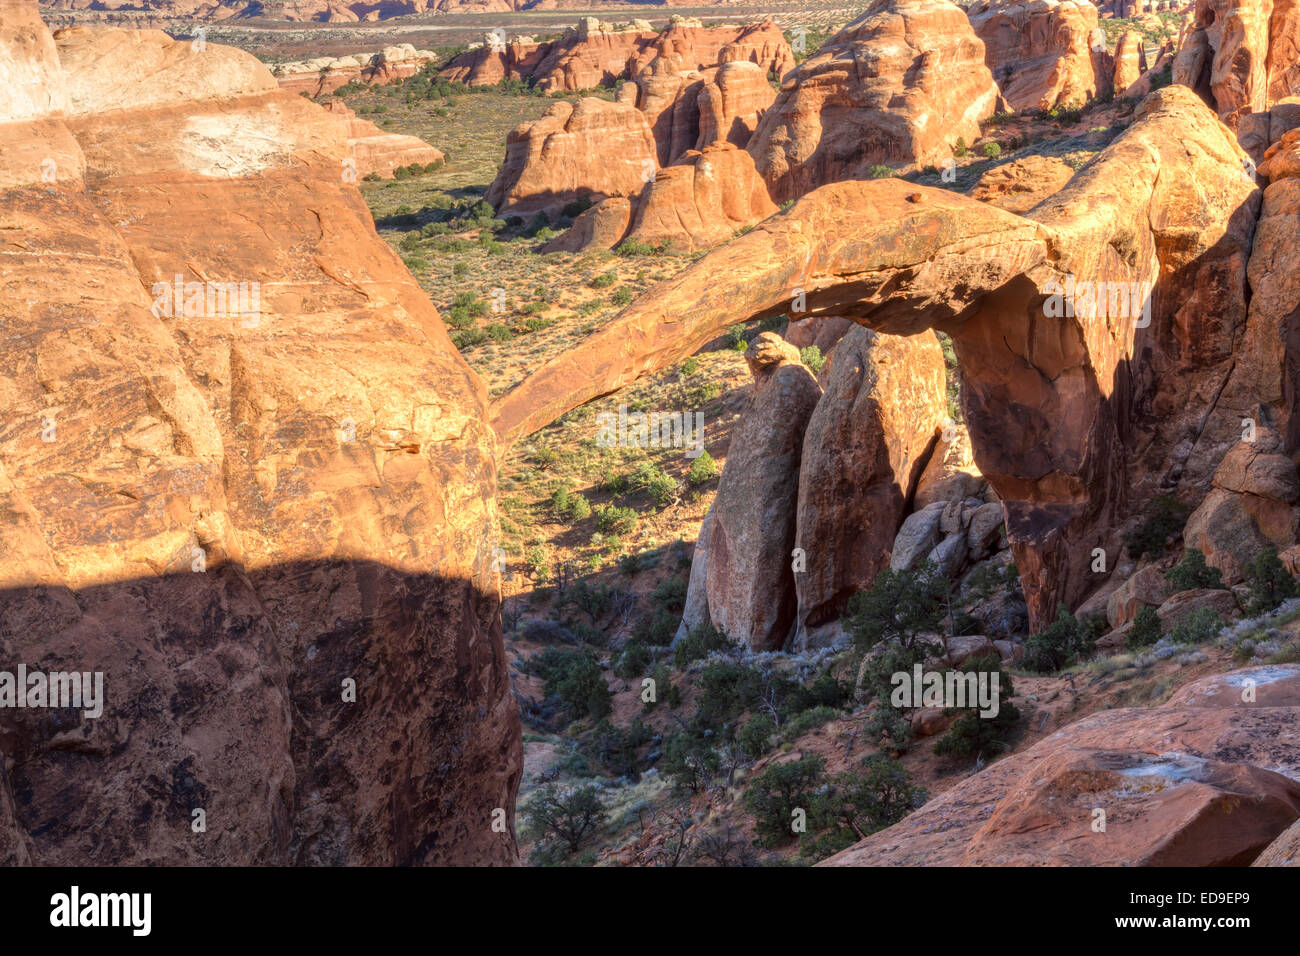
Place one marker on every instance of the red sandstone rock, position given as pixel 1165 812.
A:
pixel 1130 61
pixel 863 452
pixel 899 85
pixel 591 149
pixel 1040 51
pixel 231 513
pixel 750 583
pixel 732 103
pixel 1020 185
pixel 701 201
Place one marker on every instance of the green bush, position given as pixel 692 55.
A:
pixel 972 733
pixel 698 644
pixel 703 469
pixel 616 520
pixel 689 760
pixel 778 791
pixel 1064 641
pixel 615 748
pixel 1192 573
pixel 808 720
pixel 1269 581
pixel 1163 520
pixel 633 661
pixel 564 817
pixel 623 296
pixel 992 150
pixel 604 280
pixel 1146 628
pixel 755 738
pixel 876 794
pixel 812 357
pixel 573 677
pixel 1197 628
pixel 880 171
pixel 900 606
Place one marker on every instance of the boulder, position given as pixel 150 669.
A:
pixel 862 455
pixel 750 581
pixel 591 149
pixel 964 648
pixel 917 537
pixel 1178 607
pixel 603 226
pixel 1039 51
pixel 951 472
pixel 899 85
pixel 1147 586
pixel 1284 851
pixel 1020 185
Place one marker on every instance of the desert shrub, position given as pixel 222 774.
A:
pixel 573 677
pixel 1064 641
pixel 1193 573
pixel 576 208
pixel 698 644
pixel 1146 628
pixel 690 760
pixel 690 365
pixel 736 336
pixel 992 150
pixel 1269 581
pixel 755 738
pixel 564 817
pixel 973 733
pixel 632 661
pixel 703 469
pixel 808 720
pixel 604 280
pixel 1197 628
pixel 622 296
pixel 812 357
pixel 665 690
pixel 876 794
pixel 1162 521
pixel 880 171
pixel 615 748
pixel 659 486
pixel 900 606
pixel 726 690
pixel 616 520
pixel 775 794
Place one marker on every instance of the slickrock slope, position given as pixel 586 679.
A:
pixel 232 505
pixel 1041 51
pixel 596 54
pixel 378 152
pixel 1208 779
pixel 591 149
pixel 899 85
pixel 1077 420
pixel 1020 185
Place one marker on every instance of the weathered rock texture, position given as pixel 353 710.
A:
pixel 230 510
pixel 749 578
pixel 1020 185
pixel 863 452
pixel 732 103
pixel 1041 51
pixel 584 59
pixel 1077 420
pixel 899 85
pixel 1130 61
pixel 590 150
pixel 1205 780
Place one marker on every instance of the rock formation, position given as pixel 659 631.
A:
pixel 732 103
pixel 863 452
pixel 1041 52
pixel 1130 61
pixel 748 575
pixel 586 58
pixel 377 152
pixel 1020 185
pixel 1078 416
pixel 259 501
pixel 899 85
pixel 590 150
pixel 1204 780
pixel 322 75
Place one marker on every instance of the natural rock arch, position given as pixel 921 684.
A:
pixel 1076 421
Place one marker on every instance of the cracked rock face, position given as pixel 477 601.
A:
pixel 259 502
